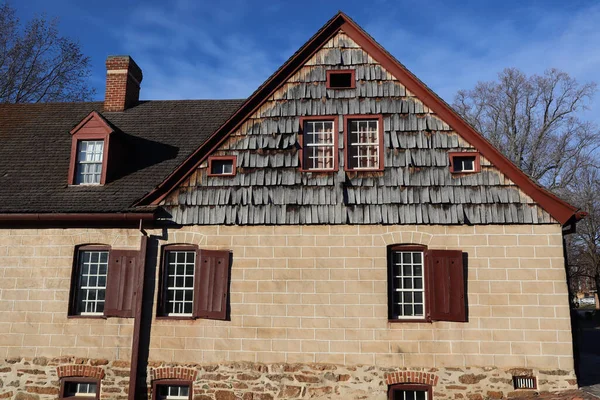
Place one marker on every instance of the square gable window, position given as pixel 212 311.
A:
pixel 319 144
pixel 364 143
pixel 222 165
pixel 341 79
pixel 464 162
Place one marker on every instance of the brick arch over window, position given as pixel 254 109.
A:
pixel 179 373
pixel 420 377
pixel 194 238
pixel 412 237
pixel 80 370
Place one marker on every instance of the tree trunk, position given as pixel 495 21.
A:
pixel 597 280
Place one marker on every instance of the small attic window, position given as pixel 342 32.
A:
pixel 222 165
pixel 90 157
pixel 464 162
pixel 341 79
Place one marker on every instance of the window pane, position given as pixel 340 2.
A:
pixel 179 280
pixel 92 270
pixel 318 145
pixel 408 296
pixel 363 146
pixel 173 392
pixel 90 154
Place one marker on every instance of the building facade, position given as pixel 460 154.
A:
pixel 341 233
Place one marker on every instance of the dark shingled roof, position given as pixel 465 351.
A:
pixel 35 147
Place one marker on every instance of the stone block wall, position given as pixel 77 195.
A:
pixel 318 294
pixel 35 279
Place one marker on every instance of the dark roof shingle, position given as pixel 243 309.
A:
pixel 35 146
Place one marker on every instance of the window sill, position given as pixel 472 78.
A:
pixel 87 317
pixel 320 171
pixel 411 320
pixel 175 318
pixel 363 169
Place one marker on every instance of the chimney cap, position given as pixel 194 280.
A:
pixel 117 62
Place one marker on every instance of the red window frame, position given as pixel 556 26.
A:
pixel 83 133
pixel 358 117
pixel 456 154
pixel 352 73
pixel 410 386
pixel 233 160
pixel 334 119
pixel 171 382
pixel 77 379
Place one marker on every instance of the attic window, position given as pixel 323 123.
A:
pixel 464 162
pixel 222 165
pixel 90 141
pixel 341 79
pixel 90 155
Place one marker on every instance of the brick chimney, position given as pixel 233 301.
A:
pixel 123 78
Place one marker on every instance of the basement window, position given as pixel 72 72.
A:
pixel 222 166
pixel 172 390
pixel 409 392
pixel 464 162
pixel 80 388
pixel 341 79
pixel 525 382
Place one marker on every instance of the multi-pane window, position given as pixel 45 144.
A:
pixel 221 165
pixel 173 392
pixel 180 265
pixel 91 288
pixel 409 395
pixel 407 285
pixel 89 162
pixel 80 389
pixel 464 164
pixel 318 145
pixel 363 148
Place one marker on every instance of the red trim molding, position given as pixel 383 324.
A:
pixel 87 371
pixel 336 133
pixel 179 373
pixel 560 210
pixel 352 73
pixel 364 117
pixel 82 217
pixel 424 378
pixel 92 127
pixel 222 158
pixel 453 154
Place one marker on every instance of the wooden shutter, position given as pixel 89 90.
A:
pixel 446 286
pixel 122 283
pixel 211 284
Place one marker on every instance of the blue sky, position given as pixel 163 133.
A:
pixel 226 48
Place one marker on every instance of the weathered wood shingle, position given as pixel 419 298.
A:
pixel 416 186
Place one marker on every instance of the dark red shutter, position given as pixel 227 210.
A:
pixel 122 283
pixel 211 284
pixel 446 286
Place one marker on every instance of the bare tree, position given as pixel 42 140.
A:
pixel 39 65
pixel 534 121
pixel 584 246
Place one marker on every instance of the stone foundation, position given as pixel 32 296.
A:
pixel 38 379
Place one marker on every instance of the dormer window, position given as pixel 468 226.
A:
pixel 89 151
pixel 90 154
pixel 464 162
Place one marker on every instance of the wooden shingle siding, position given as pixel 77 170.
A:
pixel 415 187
